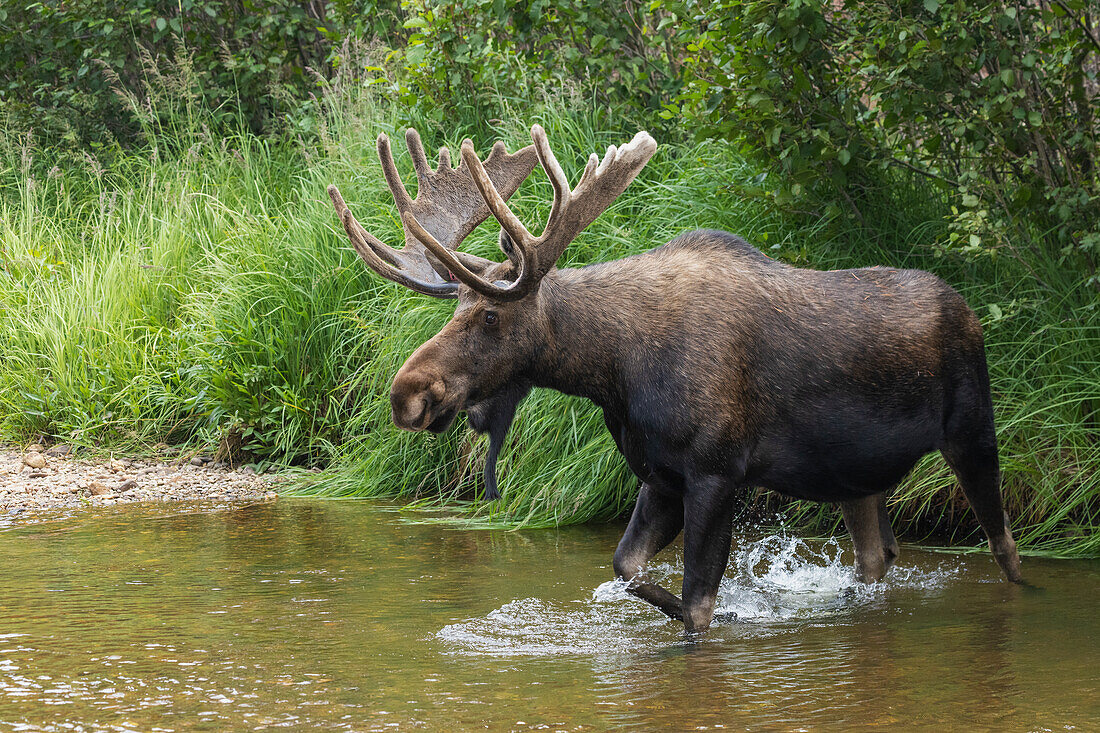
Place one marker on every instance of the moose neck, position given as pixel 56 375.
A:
pixel 589 335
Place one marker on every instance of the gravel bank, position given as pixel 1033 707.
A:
pixel 37 481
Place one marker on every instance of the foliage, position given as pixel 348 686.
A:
pixel 206 291
pixel 69 61
pixel 471 47
pixel 190 284
pixel 997 102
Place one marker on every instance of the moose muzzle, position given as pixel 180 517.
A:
pixel 419 402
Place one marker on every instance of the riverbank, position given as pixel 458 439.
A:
pixel 38 481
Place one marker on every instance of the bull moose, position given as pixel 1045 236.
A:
pixel 716 367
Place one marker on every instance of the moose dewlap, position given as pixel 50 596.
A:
pixel 715 366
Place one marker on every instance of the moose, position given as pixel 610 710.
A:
pixel 716 367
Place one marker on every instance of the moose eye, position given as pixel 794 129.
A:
pixel 490 318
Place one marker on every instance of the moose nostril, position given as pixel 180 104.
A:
pixel 410 411
pixel 437 391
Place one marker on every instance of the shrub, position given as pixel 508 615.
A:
pixel 994 101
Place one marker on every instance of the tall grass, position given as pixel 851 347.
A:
pixel 198 289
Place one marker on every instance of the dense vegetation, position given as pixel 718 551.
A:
pixel 172 270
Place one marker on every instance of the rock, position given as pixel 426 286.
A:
pixel 34 460
pixel 271 495
pixel 127 485
pixel 95 488
pixel 35 448
pixel 59 450
pixel 248 470
pixel 37 474
pixel 199 461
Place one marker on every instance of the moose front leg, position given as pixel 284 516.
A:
pixel 708 532
pixel 656 521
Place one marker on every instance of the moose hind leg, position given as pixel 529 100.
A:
pixel 656 521
pixel 889 542
pixel 976 466
pixel 864 520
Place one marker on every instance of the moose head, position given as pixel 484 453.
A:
pixel 479 361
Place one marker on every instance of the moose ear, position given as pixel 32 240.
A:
pixel 494 416
pixel 506 245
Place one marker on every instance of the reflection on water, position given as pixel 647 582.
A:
pixel 339 615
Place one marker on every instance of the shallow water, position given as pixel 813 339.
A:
pixel 339 615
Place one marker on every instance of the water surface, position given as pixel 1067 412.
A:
pixel 340 615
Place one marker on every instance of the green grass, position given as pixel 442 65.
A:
pixel 200 290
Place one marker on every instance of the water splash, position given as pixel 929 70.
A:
pixel 772 581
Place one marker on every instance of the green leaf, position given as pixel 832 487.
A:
pixel 844 156
pixel 931 5
pixel 416 54
pixel 161 24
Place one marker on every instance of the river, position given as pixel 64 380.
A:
pixel 344 615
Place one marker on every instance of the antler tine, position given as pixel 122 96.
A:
pixel 493 199
pixel 553 170
pixel 601 183
pixel 369 248
pixel 389 170
pixel 514 291
pixel 416 152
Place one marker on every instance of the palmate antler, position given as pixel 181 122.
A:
pixel 448 202
pixel 573 210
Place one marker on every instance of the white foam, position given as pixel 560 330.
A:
pixel 770 582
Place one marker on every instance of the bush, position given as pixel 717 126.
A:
pixel 996 102
pixel 66 63
pixel 489 47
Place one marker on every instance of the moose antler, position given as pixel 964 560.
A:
pixel 448 203
pixel 573 210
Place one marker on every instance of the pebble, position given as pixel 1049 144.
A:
pixel 59 450
pixel 34 460
pixel 66 483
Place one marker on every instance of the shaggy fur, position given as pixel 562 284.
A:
pixel 718 368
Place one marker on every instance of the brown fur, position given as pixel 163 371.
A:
pixel 716 368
